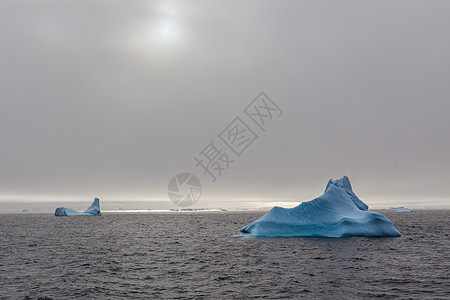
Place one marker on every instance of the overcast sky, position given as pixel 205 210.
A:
pixel 113 98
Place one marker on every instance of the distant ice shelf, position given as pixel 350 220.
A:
pixel 337 213
pixel 93 210
pixel 166 210
pixel 402 209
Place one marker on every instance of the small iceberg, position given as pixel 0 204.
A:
pixel 402 209
pixel 337 213
pixel 93 210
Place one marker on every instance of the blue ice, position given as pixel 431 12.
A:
pixel 93 210
pixel 337 213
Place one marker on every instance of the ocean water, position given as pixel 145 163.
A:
pixel 198 256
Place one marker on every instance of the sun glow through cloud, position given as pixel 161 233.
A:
pixel 167 29
pixel 159 36
pixel 165 26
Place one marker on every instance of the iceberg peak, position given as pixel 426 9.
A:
pixel 94 209
pixel 345 184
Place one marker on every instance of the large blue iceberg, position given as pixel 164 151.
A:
pixel 93 210
pixel 337 213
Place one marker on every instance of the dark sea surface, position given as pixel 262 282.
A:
pixel 197 256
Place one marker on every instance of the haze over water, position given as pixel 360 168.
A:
pixel 111 99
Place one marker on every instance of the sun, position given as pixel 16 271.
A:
pixel 166 25
pixel 167 29
pixel 161 35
